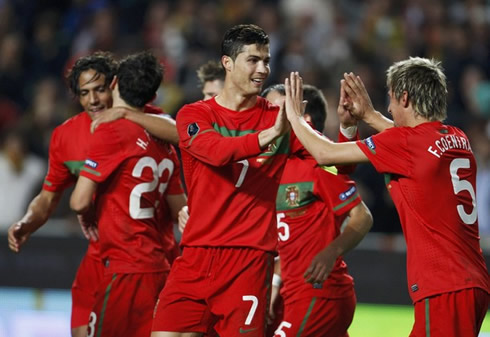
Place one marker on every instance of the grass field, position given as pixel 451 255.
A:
pixel 373 320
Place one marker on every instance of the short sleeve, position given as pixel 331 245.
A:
pixel 105 154
pixel 58 177
pixel 388 151
pixel 341 191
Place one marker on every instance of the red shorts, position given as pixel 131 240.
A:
pixel 125 303
pixel 89 275
pixel 230 286
pixel 454 314
pixel 317 316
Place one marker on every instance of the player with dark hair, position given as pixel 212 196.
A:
pixel 447 277
pixel 313 203
pixel 136 181
pixel 211 78
pixel 89 80
pixel 232 172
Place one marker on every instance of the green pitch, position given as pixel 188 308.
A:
pixel 373 320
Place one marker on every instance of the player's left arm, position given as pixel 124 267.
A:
pixel 158 125
pixel 82 196
pixel 358 225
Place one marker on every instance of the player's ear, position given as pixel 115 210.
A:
pixel 113 83
pixel 404 99
pixel 227 62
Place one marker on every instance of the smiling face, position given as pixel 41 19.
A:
pixel 250 69
pixel 95 96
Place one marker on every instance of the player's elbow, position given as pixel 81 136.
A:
pixel 79 203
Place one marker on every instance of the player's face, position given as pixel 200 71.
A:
pixel 396 110
pixel 275 97
pixel 95 95
pixel 212 88
pixel 250 69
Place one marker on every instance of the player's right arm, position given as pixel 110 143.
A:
pixel 359 103
pixel 199 137
pixel 156 123
pixel 359 223
pixel 38 212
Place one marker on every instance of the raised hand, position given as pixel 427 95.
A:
pixel 359 101
pixel 294 103
pixel 346 119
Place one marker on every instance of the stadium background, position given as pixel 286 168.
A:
pixel 39 40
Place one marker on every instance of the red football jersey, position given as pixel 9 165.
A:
pixel 430 172
pixel 232 184
pixel 67 152
pixel 134 171
pixel 312 204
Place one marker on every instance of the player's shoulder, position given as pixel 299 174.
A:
pixel 76 121
pixel 152 109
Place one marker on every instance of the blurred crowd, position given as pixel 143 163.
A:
pixel 322 39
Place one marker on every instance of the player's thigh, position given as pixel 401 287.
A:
pixel 317 316
pixel 125 304
pixel 241 294
pixel 84 287
pixel 458 313
pixel 182 303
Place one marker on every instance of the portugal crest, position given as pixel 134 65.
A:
pixel 292 196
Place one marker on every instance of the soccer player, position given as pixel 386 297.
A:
pixel 89 81
pixel 312 204
pixel 131 172
pixel 232 171
pixel 430 173
pixel 211 77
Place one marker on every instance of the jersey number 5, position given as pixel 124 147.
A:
pixel 463 185
pixel 135 209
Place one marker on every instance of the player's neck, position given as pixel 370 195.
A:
pixel 117 101
pixel 235 101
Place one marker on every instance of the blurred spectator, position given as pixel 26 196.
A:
pixel 21 174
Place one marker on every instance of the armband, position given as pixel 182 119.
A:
pixel 349 132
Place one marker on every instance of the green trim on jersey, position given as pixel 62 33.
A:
pixel 295 195
pixel 330 169
pixel 48 182
pixel 427 318
pixel 95 173
pixel 74 166
pixel 106 299
pixel 225 132
pixel 348 201
pixel 387 177
pixel 308 313
pixel 279 146
pixel 194 137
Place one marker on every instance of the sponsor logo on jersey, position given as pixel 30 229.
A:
pixel 414 287
pixel 347 194
pixel 370 143
pixel 192 129
pixel 292 196
pixel 91 163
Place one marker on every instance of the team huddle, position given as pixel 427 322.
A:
pixel 270 209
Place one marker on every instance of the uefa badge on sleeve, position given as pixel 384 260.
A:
pixel 192 129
